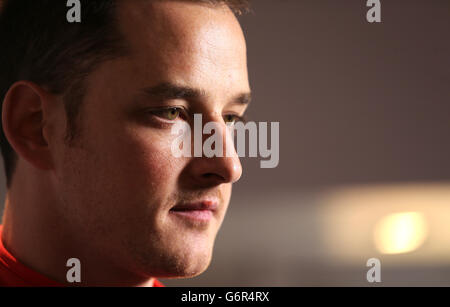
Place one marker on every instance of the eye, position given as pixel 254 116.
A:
pixel 232 118
pixel 168 113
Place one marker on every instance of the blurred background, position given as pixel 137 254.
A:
pixel 364 172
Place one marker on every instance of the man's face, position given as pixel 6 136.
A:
pixel 119 180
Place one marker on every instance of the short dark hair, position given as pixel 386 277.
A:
pixel 39 45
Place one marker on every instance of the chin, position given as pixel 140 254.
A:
pixel 186 265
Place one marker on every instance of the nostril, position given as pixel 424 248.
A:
pixel 211 175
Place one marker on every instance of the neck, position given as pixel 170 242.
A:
pixel 36 234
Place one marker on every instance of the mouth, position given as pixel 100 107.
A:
pixel 196 212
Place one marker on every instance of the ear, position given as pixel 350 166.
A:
pixel 23 119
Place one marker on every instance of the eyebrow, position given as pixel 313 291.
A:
pixel 169 90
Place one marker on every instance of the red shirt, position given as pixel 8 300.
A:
pixel 15 274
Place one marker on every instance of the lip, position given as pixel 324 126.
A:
pixel 210 205
pixel 196 212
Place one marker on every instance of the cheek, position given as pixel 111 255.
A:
pixel 124 179
pixel 122 165
pixel 142 164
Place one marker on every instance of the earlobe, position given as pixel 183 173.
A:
pixel 23 120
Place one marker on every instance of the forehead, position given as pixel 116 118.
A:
pixel 184 39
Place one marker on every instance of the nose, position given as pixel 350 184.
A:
pixel 216 170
